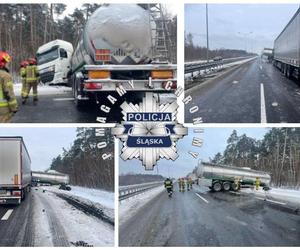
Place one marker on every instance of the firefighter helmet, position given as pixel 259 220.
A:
pixel 24 64
pixel 32 61
pixel 4 58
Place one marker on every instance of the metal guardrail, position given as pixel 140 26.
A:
pixel 191 67
pixel 126 192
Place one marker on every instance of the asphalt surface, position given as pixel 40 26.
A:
pixel 59 107
pixel 18 229
pixel 253 92
pixel 211 219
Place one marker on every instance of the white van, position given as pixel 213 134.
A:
pixel 54 60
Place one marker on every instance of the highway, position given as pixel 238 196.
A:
pixel 253 92
pixel 43 219
pixel 202 218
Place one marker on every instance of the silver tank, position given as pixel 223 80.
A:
pixel 51 178
pixel 124 29
pixel 217 171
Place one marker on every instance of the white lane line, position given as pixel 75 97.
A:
pixel 64 99
pixel 237 221
pixel 263 113
pixel 260 67
pixel 202 198
pixel 272 201
pixel 235 82
pixel 7 214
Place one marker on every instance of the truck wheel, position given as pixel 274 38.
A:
pixel 288 72
pixel 235 187
pixel 217 186
pixel 226 186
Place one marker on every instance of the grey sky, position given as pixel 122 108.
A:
pixel 214 142
pixel 230 25
pixel 43 144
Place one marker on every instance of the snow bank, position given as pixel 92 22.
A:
pixel 288 196
pixel 129 207
pixel 53 213
pixel 44 89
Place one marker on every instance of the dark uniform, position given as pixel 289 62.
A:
pixel 168 185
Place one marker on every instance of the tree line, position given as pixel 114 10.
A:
pixel 83 162
pixel 194 52
pixel 277 153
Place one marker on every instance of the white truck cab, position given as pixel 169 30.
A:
pixel 54 59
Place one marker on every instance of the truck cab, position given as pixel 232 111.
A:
pixel 54 59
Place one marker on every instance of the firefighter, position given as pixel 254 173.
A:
pixel 23 65
pixel 179 184
pixel 8 101
pixel 257 183
pixel 32 78
pixel 182 184
pixel 190 183
pixel 169 186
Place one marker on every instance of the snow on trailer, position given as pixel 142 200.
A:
pixel 15 169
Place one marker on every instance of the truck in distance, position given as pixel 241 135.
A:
pixel 287 48
pixel 15 170
pixel 224 178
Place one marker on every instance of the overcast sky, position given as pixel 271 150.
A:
pixel 238 26
pixel 214 142
pixel 43 144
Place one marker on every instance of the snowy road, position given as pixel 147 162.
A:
pixel 202 218
pixel 44 219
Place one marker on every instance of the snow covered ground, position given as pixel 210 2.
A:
pixel 44 89
pixel 130 206
pixel 287 197
pixel 57 223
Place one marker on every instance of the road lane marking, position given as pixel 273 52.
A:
pixel 274 104
pixel 7 214
pixel 64 99
pixel 263 113
pixel 235 82
pixel 260 67
pixel 237 221
pixel 272 201
pixel 202 198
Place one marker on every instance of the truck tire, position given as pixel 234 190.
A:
pixel 226 186
pixel 289 72
pixel 76 86
pixel 216 186
pixel 235 187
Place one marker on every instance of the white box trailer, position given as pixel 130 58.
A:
pixel 15 170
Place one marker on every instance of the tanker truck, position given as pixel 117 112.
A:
pixel 115 56
pixel 15 170
pixel 224 178
pixel 49 178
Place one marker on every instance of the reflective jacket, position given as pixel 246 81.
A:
pixel 31 74
pixel 8 101
pixel 168 184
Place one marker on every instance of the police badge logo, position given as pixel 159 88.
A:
pixel 149 131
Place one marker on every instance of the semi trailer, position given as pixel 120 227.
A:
pixel 287 48
pixel 49 178
pixel 15 170
pixel 122 50
pixel 223 177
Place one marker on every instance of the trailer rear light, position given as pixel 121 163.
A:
pixel 99 74
pixel 16 193
pixel 102 55
pixel 16 179
pixel 169 85
pixel 92 85
pixel 162 74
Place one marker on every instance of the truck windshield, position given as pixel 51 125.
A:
pixel 47 56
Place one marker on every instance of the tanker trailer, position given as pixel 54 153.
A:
pixel 223 177
pixel 115 57
pixel 49 178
